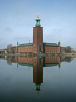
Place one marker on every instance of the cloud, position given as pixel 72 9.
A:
pixel 8 29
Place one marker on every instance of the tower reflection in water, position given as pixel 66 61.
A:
pixel 38 63
pixel 38 72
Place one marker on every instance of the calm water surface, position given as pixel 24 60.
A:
pixel 34 79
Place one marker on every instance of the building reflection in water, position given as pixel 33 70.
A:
pixel 37 63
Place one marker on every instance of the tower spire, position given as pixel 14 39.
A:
pixel 37 22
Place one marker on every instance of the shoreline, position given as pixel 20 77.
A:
pixel 42 54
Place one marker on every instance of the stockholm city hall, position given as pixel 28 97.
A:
pixel 38 46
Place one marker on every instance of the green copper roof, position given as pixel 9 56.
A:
pixel 26 44
pixel 50 44
pixel 30 44
pixel 50 65
pixel 37 22
pixel 24 64
pixel 30 65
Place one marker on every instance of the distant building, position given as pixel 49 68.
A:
pixel 66 49
pixel 3 51
pixel 38 46
pixel 73 50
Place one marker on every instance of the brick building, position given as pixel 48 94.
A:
pixel 3 51
pixel 38 46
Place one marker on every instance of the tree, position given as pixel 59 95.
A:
pixel 68 49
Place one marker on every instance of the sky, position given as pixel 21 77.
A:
pixel 17 19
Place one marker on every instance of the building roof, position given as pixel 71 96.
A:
pixel 30 65
pixel 50 44
pixel 13 46
pixel 50 65
pixel 25 44
pixel 25 64
pixel 30 44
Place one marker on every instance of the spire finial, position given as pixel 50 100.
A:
pixel 37 18
pixel 37 22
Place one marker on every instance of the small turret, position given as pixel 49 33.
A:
pixel 59 43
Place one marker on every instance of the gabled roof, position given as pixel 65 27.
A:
pixel 26 44
pixel 50 44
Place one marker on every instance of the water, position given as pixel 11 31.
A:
pixel 34 79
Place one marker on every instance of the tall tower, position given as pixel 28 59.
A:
pixel 37 37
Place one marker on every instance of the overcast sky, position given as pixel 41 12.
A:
pixel 17 19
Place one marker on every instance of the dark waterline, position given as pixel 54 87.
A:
pixel 37 79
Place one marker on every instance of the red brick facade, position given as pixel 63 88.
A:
pixel 37 39
pixel 52 60
pixel 36 60
pixel 52 49
pixel 32 49
pixel 25 49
